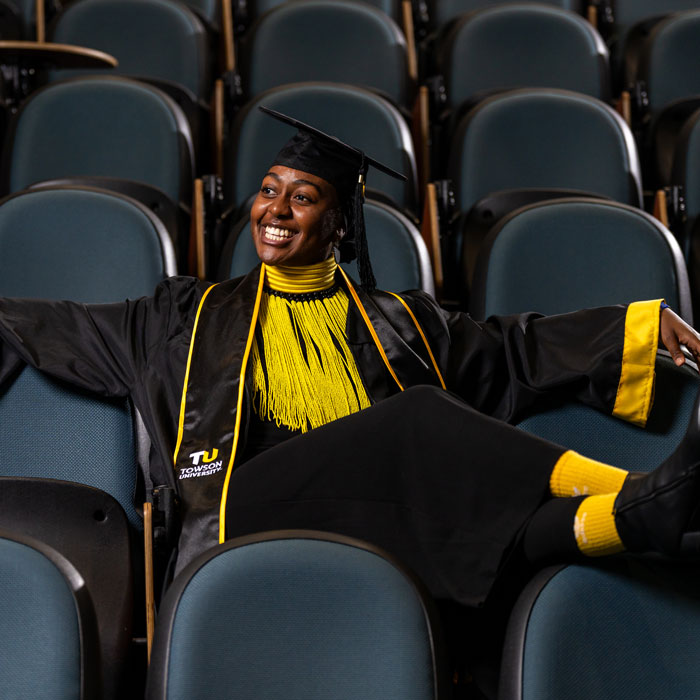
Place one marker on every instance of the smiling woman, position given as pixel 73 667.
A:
pixel 329 405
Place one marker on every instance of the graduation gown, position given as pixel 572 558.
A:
pixel 185 383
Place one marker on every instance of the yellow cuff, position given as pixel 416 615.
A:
pixel 594 526
pixel 576 475
pixel 635 392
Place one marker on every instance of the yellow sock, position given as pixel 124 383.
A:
pixel 576 475
pixel 594 526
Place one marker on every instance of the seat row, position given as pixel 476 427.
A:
pixel 302 613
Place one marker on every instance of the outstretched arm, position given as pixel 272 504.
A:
pixel 674 332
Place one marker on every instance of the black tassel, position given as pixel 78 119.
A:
pixel 364 266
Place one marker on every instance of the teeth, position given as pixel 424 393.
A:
pixel 278 234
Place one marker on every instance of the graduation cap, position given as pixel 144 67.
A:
pixel 343 166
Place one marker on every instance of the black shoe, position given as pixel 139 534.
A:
pixel 656 512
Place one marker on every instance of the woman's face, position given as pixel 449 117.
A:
pixel 292 218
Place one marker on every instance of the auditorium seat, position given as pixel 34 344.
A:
pixel 521 45
pixel 112 131
pixel 537 138
pixel 70 468
pixel 344 41
pixel 399 256
pixel 567 254
pixel 685 171
pixel 442 11
pixel 159 41
pixel 353 114
pixel 543 137
pixel 48 638
pixel 613 441
pixel 295 614
pixel 618 24
pixel 83 244
pixel 616 629
pixel 256 8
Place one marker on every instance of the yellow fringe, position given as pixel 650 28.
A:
pixel 301 392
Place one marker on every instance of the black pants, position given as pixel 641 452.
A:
pixel 442 487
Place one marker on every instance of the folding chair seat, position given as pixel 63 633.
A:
pixel 159 41
pixel 443 11
pixel 344 41
pixel 619 629
pixel 82 244
pixel 48 638
pixel 354 114
pixel 295 614
pixel 573 253
pixel 110 132
pixel 538 138
pixel 400 258
pixel 521 45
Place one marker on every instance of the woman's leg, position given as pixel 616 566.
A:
pixel 441 486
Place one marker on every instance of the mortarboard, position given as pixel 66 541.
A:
pixel 343 166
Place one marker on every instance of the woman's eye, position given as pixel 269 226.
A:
pixel 265 189
pixel 302 198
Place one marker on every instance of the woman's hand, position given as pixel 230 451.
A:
pixel 674 332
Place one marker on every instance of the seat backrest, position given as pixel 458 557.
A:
pixel 48 638
pixel 294 614
pixel 543 137
pixel 353 114
pixel 258 7
pixel 686 164
pixel 669 59
pixel 442 11
pixel 157 39
pixel 568 254
pixel 617 442
pixel 86 245
pixel 513 46
pixel 400 258
pixel 102 126
pixel 343 41
pixel 618 630
pixel 628 13
pixel 90 529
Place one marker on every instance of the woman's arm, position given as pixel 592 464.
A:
pixel 99 347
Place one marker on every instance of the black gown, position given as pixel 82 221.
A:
pixel 436 477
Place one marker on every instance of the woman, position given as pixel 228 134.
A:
pixel 292 398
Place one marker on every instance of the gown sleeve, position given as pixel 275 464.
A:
pixel 507 365
pixel 99 347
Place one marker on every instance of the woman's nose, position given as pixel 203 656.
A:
pixel 280 206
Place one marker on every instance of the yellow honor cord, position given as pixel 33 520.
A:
pixel 239 406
